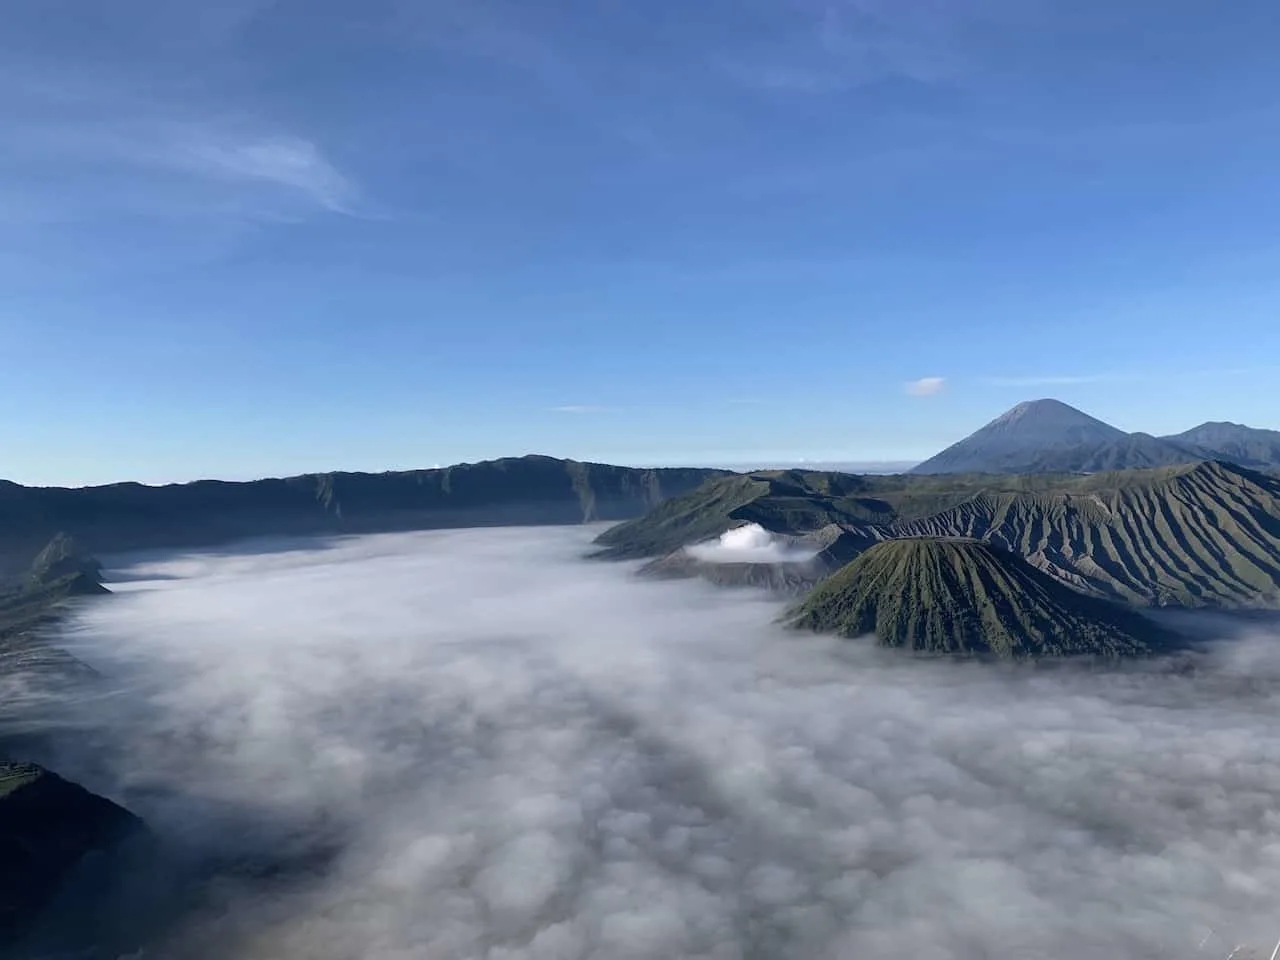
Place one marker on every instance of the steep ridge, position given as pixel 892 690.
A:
pixel 698 515
pixel 952 596
pixel 64 566
pixel 1233 441
pixel 794 502
pixel 524 490
pixel 1134 451
pixel 33 600
pixel 1206 535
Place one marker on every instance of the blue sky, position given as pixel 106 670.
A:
pixel 255 237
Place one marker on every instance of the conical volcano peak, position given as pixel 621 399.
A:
pixel 1054 417
pixel 966 596
pixel 1044 404
pixel 1021 437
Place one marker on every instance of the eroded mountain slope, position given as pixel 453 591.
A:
pixel 955 596
pixel 1198 535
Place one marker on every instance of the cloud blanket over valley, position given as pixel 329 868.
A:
pixel 476 744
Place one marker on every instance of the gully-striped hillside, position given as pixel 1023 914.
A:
pixel 941 595
pixel 1200 535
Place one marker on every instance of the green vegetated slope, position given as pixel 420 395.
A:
pixel 940 595
pixel 1198 535
pixel 523 490
pixel 795 502
pixel 801 502
pixel 1205 535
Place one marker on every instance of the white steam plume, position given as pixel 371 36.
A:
pixel 750 543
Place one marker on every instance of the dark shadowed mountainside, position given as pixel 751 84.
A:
pixel 940 595
pixel 517 491
pixel 47 827
pixel 56 838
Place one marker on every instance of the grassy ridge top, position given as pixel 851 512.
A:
pixel 960 596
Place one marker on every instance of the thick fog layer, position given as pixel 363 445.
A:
pixel 750 543
pixel 476 745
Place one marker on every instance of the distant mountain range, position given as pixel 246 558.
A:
pixel 513 491
pixel 1048 436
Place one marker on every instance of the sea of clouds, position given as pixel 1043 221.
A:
pixel 476 744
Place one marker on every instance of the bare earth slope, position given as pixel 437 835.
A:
pixel 952 596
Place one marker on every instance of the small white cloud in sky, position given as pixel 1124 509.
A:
pixel 926 386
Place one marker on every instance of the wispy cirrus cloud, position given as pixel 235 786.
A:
pixel 244 167
pixel 119 139
pixel 925 386
pixel 279 160
pixel 581 409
